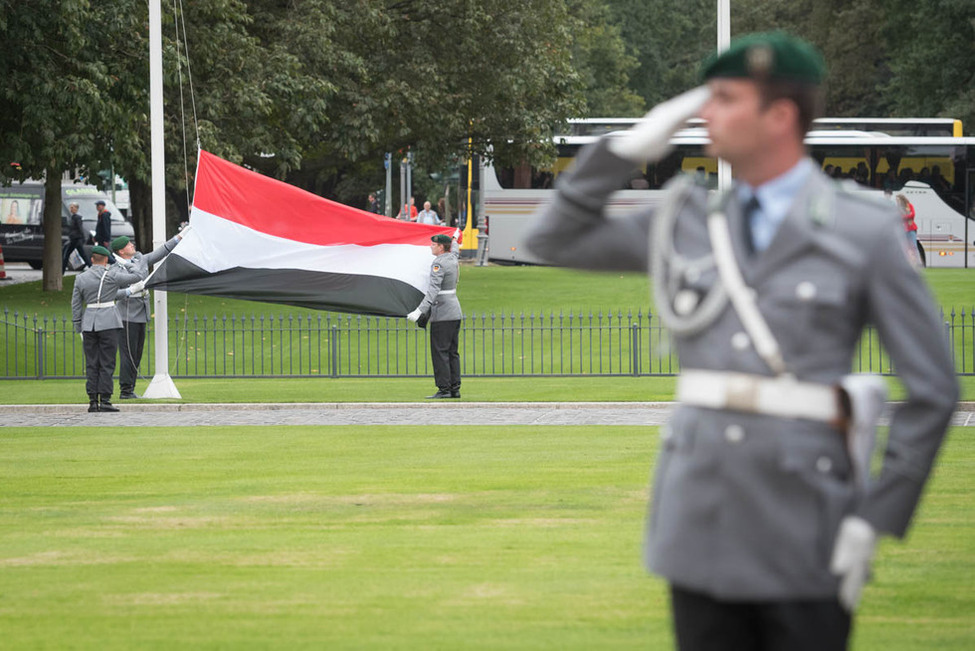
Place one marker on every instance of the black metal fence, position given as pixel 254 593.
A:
pixel 333 345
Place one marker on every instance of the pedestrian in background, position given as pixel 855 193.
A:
pixel 103 226
pixel 76 238
pixel 441 310
pixel 910 227
pixel 428 216
pixel 765 513
pixel 372 204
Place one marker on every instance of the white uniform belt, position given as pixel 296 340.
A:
pixel 446 291
pixel 772 396
pixel 96 306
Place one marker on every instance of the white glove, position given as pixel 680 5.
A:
pixel 414 315
pixel 136 287
pixel 649 140
pixel 855 545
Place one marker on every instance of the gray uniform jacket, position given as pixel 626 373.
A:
pixel 90 290
pixel 135 309
pixel 747 506
pixel 443 278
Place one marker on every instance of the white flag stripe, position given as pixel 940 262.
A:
pixel 216 244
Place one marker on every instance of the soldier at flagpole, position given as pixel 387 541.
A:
pixel 765 514
pixel 134 309
pixel 97 320
pixel 441 309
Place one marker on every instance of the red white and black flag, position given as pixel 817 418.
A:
pixel 258 239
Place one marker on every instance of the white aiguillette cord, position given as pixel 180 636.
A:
pixel 742 296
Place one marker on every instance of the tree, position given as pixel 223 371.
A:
pixel 600 57
pixel 932 59
pixel 669 40
pixel 849 36
pixel 50 105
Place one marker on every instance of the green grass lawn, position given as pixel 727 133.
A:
pixel 482 290
pixel 388 538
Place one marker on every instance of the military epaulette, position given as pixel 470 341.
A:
pixel 821 211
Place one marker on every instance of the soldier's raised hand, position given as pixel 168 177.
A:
pixel 649 140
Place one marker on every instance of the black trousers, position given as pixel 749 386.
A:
pixel 704 623
pixel 444 337
pixel 100 348
pixel 130 346
pixel 74 245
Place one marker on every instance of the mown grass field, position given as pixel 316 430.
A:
pixel 392 537
pixel 482 290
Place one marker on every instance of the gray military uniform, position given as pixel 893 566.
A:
pixel 135 311
pixel 90 289
pixel 441 301
pixel 746 506
pixel 95 316
pixel 135 308
pixel 443 307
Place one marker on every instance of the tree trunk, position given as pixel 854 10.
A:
pixel 141 214
pixel 52 231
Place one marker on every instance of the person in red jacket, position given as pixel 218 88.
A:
pixel 907 212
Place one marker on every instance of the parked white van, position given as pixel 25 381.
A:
pixel 22 210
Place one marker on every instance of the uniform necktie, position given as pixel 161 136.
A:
pixel 748 213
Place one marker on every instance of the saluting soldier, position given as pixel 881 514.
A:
pixel 134 309
pixel 764 515
pixel 97 320
pixel 441 309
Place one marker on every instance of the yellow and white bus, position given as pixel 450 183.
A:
pixel 935 172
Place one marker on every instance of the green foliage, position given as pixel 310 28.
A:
pixel 601 59
pixel 668 39
pixel 933 59
pixel 899 58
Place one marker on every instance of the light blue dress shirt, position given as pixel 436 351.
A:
pixel 775 198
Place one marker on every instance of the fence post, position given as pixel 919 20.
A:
pixel 635 348
pixel 333 347
pixel 39 351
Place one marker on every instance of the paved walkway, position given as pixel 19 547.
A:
pixel 427 413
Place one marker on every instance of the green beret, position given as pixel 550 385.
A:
pixel 120 243
pixel 773 55
pixel 100 250
pixel 442 239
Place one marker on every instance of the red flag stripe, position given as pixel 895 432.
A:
pixel 278 209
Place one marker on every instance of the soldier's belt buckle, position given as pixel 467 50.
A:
pixel 742 394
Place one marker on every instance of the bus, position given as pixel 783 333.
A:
pixel 936 173
pixel 925 127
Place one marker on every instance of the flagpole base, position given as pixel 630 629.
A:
pixel 161 386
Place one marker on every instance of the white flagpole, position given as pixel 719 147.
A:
pixel 724 39
pixel 162 385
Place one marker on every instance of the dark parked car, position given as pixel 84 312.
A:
pixel 22 209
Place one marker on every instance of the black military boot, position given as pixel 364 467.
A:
pixel 93 402
pixel 105 402
pixel 439 395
